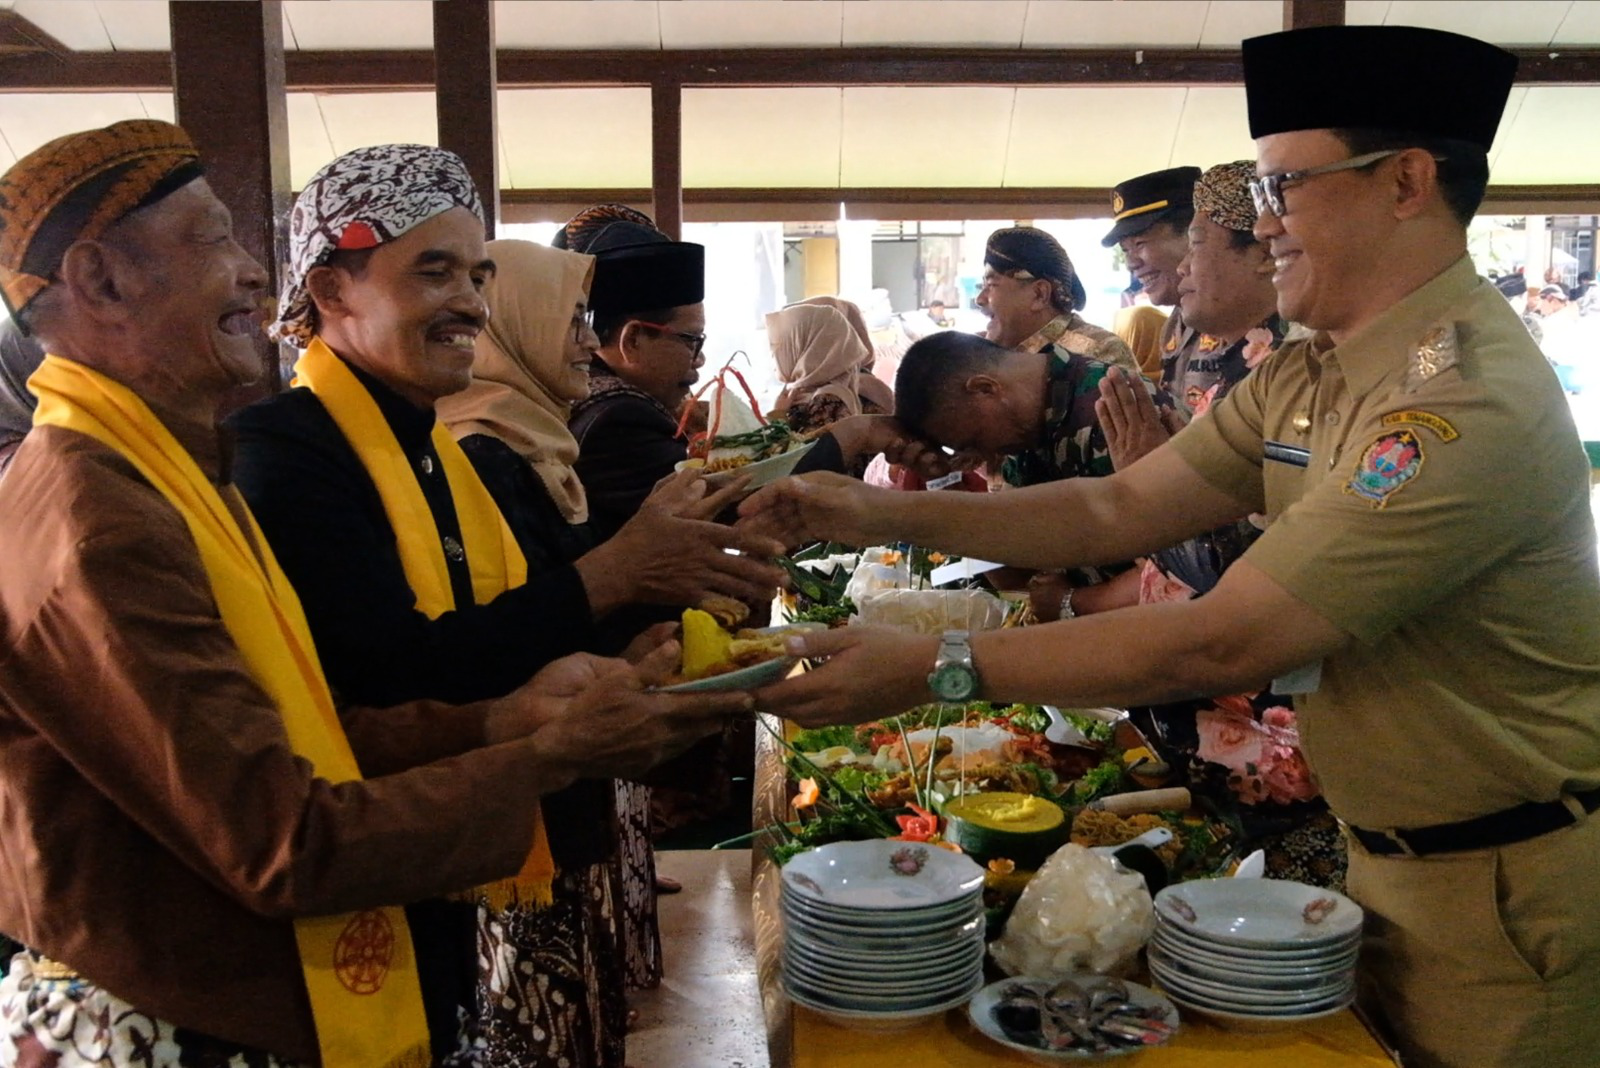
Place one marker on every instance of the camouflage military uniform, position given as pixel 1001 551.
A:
pixel 1073 443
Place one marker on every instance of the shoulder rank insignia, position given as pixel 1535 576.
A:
pixel 1386 465
pixel 1412 417
pixel 1436 351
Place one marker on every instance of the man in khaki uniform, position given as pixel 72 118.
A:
pixel 1427 584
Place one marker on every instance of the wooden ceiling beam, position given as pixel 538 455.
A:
pixel 413 70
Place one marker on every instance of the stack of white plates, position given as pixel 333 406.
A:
pixel 881 934
pixel 1257 954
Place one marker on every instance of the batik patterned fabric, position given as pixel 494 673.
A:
pixel 75 187
pixel 1222 195
pixel 361 200
pixel 636 882
pixel 71 1023
pixel 587 224
pixel 551 988
pixel 1073 444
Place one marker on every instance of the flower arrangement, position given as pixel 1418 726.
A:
pixel 1262 755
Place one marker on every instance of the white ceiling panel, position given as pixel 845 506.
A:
pixel 575 138
pixel 751 23
pixel 762 137
pixel 158 106
pixel 925 136
pixel 28 120
pixel 1581 26
pixel 1131 131
pixel 577 24
pixel 1521 23
pixel 1230 21
pixel 360 24
pixel 355 120
pixel 1540 146
pixel 953 23
pixel 310 148
pixel 76 25
pixel 1099 23
pixel 134 25
pixel 1215 128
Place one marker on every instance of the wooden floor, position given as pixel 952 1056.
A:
pixel 707 1012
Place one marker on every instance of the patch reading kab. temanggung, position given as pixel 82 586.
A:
pixel 1386 465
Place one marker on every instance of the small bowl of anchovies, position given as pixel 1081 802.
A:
pixel 1077 1020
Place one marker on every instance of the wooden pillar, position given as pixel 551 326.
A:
pixel 227 79
pixel 666 156
pixel 464 84
pixel 1303 14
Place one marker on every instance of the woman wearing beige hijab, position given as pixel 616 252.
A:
pixel 820 359
pixel 552 976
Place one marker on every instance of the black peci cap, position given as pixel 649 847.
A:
pixel 1140 203
pixel 637 267
pixel 1399 78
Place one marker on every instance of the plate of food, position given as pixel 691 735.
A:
pixel 765 455
pixel 719 654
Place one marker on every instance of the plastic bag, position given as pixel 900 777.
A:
pixel 931 611
pixel 880 568
pixel 1081 912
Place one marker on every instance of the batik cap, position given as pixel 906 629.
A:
pixel 1398 78
pixel 75 187
pixel 1139 203
pixel 585 226
pixel 362 200
pixel 1027 248
pixel 1223 195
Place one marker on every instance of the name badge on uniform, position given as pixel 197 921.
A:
pixel 1283 453
pixel 945 480
pixel 1307 679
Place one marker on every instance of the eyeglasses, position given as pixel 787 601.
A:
pixel 694 342
pixel 582 325
pixel 1267 190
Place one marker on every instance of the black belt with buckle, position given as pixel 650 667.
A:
pixel 1515 824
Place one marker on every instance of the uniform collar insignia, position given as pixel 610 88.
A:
pixel 1436 351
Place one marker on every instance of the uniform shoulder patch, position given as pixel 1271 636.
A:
pixel 1436 351
pixel 1386 465
pixel 1412 417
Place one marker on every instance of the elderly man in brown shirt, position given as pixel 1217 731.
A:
pixel 201 855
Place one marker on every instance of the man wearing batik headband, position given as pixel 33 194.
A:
pixel 195 860
pixel 413 584
pixel 1426 585
pixel 1032 295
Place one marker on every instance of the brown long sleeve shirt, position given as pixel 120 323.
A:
pixel 157 833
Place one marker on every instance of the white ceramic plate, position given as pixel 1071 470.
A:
pixel 1296 955
pixel 1238 1021
pixel 1191 963
pixel 748 678
pixel 891 942
pixel 925 996
pixel 880 874
pixel 762 471
pixel 981 1010
pixel 1260 913
pixel 886 956
pixel 1246 998
pixel 880 1021
pixel 805 907
pixel 880 984
pixel 870 970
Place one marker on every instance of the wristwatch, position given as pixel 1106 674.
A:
pixel 953 677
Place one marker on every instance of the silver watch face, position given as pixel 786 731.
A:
pixel 953 682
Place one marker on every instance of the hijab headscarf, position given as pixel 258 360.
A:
pixel 870 387
pixel 361 200
pixel 524 347
pixel 818 354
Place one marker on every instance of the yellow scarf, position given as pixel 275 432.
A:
pixel 496 563
pixel 366 1014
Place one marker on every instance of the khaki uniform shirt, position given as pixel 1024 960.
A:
pixel 1427 493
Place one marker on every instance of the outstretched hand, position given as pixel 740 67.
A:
pixel 819 506
pixel 867 673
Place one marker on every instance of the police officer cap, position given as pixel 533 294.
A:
pixel 1399 78
pixel 1140 203
pixel 1026 248
pixel 638 267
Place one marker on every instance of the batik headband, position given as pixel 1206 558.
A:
pixel 361 200
pixel 1223 195
pixel 75 187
